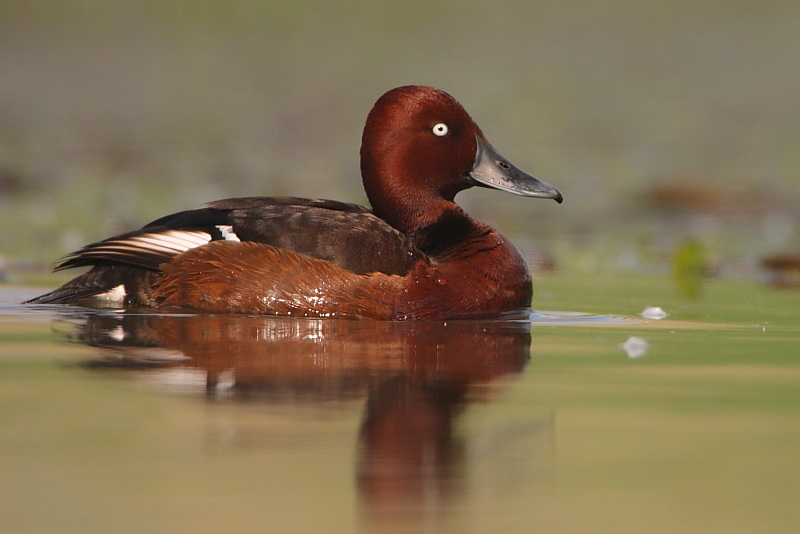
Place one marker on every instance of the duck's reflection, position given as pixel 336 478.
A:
pixel 409 451
pixel 417 377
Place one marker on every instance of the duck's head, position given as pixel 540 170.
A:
pixel 420 147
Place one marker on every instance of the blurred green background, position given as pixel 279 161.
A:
pixel 671 127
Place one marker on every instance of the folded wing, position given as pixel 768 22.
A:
pixel 347 235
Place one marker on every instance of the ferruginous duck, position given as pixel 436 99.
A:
pixel 415 255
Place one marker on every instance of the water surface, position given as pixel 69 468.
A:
pixel 132 422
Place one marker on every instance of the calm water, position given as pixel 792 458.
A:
pixel 561 423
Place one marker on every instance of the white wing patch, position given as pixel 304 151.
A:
pixel 147 249
pixel 227 232
pixel 170 242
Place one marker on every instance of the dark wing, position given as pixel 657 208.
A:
pixel 347 235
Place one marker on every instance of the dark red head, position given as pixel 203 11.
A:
pixel 420 147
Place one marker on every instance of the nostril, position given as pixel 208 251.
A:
pixel 503 165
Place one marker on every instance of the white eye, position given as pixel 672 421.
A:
pixel 439 129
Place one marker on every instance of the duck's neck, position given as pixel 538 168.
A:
pixel 447 230
pixel 432 222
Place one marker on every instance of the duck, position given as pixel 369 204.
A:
pixel 415 255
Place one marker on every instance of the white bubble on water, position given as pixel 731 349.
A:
pixel 635 347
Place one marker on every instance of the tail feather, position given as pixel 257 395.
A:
pixel 130 286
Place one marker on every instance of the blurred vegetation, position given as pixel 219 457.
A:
pixel 660 121
pixel 689 268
